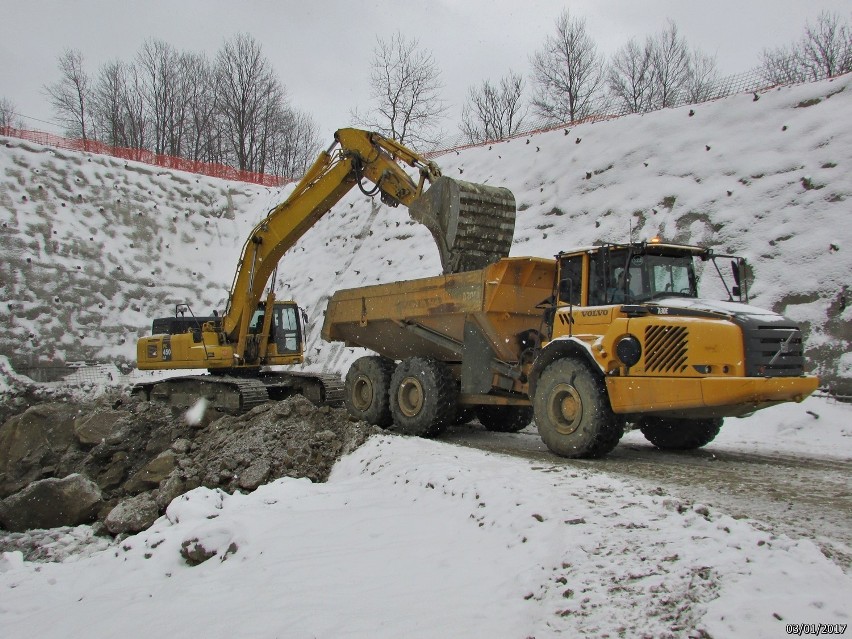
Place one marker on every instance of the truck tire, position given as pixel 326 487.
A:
pixel 366 390
pixel 572 411
pixel 423 397
pixel 668 433
pixel 504 419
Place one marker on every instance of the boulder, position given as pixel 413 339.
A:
pixel 50 503
pixel 133 514
pixel 255 475
pixel 152 473
pixel 32 444
pixel 96 427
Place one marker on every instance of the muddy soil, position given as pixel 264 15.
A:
pixel 799 496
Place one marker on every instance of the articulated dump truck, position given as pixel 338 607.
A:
pixel 587 343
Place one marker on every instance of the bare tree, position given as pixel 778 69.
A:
pixel 670 60
pixel 405 87
pixel 202 141
pixel 295 144
pixel 494 112
pixel 824 51
pixel 825 48
pixel 108 104
pixel 70 95
pixel 9 115
pixel 702 79
pixel 167 93
pixel 782 65
pixel 137 121
pixel 249 98
pixel 119 106
pixel 568 72
pixel 630 77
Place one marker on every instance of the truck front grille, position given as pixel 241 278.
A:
pixel 666 348
pixel 774 351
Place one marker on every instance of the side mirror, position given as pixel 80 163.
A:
pixel 738 270
pixel 735 269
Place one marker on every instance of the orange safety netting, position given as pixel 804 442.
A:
pixel 146 157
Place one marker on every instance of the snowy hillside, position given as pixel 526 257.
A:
pixel 94 250
pixel 94 247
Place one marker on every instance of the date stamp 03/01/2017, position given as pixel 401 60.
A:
pixel 816 629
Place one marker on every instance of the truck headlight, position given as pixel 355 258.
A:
pixel 628 350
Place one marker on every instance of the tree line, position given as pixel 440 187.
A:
pixel 571 80
pixel 232 109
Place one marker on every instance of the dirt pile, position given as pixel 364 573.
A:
pixel 140 455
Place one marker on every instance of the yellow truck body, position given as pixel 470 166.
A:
pixel 664 359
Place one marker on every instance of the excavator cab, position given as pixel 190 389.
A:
pixel 278 340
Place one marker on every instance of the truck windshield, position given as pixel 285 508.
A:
pixel 640 277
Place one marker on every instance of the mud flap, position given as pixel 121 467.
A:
pixel 472 224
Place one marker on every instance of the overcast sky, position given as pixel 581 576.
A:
pixel 322 49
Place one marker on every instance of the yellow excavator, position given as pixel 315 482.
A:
pixel 472 225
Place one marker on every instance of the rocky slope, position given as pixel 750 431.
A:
pixel 121 461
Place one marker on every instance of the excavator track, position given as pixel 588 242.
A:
pixel 237 395
pixel 320 388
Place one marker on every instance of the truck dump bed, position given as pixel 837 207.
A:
pixel 438 316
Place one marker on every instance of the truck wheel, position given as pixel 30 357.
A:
pixel 572 411
pixel 423 397
pixel 679 434
pixel 366 390
pixel 504 419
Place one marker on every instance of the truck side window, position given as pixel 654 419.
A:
pixel 608 288
pixel 571 280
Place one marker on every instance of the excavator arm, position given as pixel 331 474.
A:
pixel 355 156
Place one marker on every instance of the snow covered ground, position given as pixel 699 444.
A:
pixel 417 538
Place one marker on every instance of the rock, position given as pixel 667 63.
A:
pixel 152 473
pixel 171 487
pixel 133 514
pixel 181 446
pixel 97 427
pixel 32 441
pixel 255 475
pixel 194 552
pixel 50 503
pixel 115 472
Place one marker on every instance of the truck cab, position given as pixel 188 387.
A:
pixel 636 313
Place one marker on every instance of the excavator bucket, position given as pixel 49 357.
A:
pixel 472 224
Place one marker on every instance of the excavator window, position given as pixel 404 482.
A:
pixel 286 328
